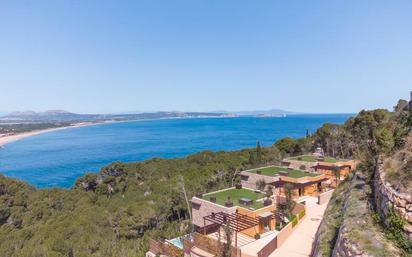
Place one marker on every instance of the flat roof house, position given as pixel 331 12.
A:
pixel 304 183
pixel 244 201
pixel 249 214
pixel 321 164
pixel 246 215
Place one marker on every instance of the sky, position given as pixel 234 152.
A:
pixel 204 55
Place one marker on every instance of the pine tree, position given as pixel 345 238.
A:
pixel 258 152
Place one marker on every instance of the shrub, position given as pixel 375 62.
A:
pixel 269 191
pixel 260 184
pixel 294 220
pixel 4 214
pixel 394 231
pixel 302 214
pixel 101 189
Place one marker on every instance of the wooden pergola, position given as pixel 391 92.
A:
pixel 237 222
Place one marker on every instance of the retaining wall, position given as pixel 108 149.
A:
pixel 386 198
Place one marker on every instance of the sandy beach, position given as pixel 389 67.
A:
pixel 12 138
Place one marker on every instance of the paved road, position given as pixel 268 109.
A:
pixel 299 244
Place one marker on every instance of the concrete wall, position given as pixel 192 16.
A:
pixel 325 197
pixel 255 214
pixel 284 234
pixel 243 254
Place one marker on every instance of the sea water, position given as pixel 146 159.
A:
pixel 58 158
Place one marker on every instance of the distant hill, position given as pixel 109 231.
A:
pixel 257 113
pixel 272 112
pixel 65 116
pixel 51 115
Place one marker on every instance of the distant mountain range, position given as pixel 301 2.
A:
pixel 273 113
pixel 65 116
pixel 52 115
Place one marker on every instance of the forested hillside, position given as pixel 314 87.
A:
pixel 113 213
pixel 354 224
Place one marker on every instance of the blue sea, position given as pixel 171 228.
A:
pixel 58 158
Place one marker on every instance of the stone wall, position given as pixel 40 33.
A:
pixel 358 237
pixel 296 164
pixel 202 208
pixel 346 244
pixel 249 179
pixel 345 247
pixel 386 197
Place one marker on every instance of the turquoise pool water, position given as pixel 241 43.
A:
pixel 176 242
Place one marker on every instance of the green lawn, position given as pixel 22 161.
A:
pixel 311 158
pixel 235 195
pixel 273 171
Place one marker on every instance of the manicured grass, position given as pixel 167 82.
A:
pixel 311 158
pixel 273 171
pixel 235 195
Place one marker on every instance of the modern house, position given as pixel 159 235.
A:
pixel 255 230
pixel 245 202
pixel 249 220
pixel 303 183
pixel 321 164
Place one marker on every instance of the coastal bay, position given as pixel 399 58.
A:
pixel 57 158
pixel 7 139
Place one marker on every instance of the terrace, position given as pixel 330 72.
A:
pixel 313 158
pixel 239 197
pixel 283 171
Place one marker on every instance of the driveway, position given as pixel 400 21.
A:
pixel 299 244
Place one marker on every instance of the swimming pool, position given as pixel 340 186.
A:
pixel 176 242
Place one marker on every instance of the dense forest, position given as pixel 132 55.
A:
pixel 16 128
pixel 114 212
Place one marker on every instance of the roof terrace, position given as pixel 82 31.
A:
pixel 312 158
pixel 243 197
pixel 279 171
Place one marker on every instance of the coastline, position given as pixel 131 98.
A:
pixel 4 140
